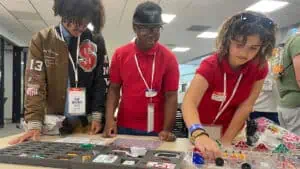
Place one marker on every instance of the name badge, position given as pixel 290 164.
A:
pixel 214 131
pixel 267 86
pixel 150 118
pixel 76 101
pixel 218 96
pixel 151 93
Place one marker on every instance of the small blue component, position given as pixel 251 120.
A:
pixel 197 157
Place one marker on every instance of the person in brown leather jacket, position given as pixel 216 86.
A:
pixel 63 59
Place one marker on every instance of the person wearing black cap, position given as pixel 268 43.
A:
pixel 148 74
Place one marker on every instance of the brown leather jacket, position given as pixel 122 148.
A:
pixel 49 68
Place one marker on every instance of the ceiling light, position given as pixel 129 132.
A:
pixel 90 27
pixel 266 6
pixel 180 49
pixel 208 35
pixel 167 18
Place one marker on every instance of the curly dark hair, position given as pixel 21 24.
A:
pixel 245 24
pixel 78 10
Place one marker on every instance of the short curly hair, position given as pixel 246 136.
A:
pixel 77 10
pixel 245 24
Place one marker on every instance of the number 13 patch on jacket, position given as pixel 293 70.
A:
pixel 87 55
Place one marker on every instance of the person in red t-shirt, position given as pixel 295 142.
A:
pixel 147 74
pixel 227 83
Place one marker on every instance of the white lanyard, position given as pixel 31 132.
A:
pixel 141 74
pixel 222 108
pixel 70 56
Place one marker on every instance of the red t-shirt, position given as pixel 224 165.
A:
pixel 133 107
pixel 213 71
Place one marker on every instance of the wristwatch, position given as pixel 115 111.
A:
pixel 196 134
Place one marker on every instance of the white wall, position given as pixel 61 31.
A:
pixel 8 85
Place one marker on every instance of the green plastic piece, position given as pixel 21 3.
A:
pixel 87 146
pixel 281 149
pixel 38 156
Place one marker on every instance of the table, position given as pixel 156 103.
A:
pixel 181 144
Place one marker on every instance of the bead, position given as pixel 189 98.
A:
pixel 246 166
pixel 219 162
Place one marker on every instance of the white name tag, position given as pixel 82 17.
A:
pixel 150 120
pixel 267 85
pixel 76 101
pixel 151 93
pixel 218 96
pixel 214 131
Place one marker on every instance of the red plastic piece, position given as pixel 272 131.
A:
pixel 241 145
pixel 261 148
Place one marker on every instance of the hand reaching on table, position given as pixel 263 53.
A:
pixel 208 147
pixel 167 136
pixel 31 134
pixel 96 126
pixel 110 129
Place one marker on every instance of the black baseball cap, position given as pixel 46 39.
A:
pixel 148 13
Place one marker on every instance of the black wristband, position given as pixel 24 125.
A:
pixel 193 138
pixel 197 130
pixel 200 134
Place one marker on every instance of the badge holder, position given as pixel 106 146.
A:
pixel 215 131
pixel 150 110
pixel 76 101
pixel 150 121
pixel 151 93
pixel 76 96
